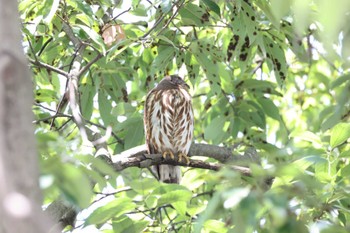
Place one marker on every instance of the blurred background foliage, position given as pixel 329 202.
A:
pixel 270 75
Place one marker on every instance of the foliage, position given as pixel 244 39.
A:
pixel 267 74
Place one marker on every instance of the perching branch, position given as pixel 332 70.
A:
pixel 138 157
pixel 219 153
pixel 147 160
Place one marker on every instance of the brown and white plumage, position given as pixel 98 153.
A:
pixel 168 119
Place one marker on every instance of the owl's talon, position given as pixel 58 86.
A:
pixel 164 155
pixel 185 157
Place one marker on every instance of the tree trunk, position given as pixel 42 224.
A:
pixel 20 198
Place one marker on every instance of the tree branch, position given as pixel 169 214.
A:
pixel 138 157
pixel 219 153
pixel 48 67
pixel 173 16
pixel 87 66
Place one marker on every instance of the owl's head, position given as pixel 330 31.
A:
pixel 172 82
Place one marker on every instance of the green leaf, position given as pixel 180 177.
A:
pixel 307 136
pixel 128 225
pixel 332 120
pixel 211 209
pixel 174 196
pixel 88 93
pixel 339 134
pixel 166 6
pixel 212 6
pixel 105 108
pixel 250 112
pixel 192 14
pixel 212 225
pixel 307 161
pixel 276 58
pixel 151 201
pixel 340 80
pixel 205 59
pixel 134 132
pixel 74 184
pixel 345 171
pixel 113 209
pixel 164 38
pixel 92 35
pixel 45 95
pixel 325 171
pixel 53 9
pixel 261 86
pixel 144 185
pixel 180 207
pixel 165 56
pixel 280 8
pixel 214 130
pixel 118 48
pixel 270 108
pixel 168 193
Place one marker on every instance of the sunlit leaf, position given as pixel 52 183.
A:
pixel 174 196
pixel 115 208
pixel 339 134
pixel 54 8
pixel 305 162
pixel 212 225
pixel 126 224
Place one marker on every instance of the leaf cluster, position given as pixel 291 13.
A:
pixel 263 77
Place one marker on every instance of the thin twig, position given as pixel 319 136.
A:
pixel 44 46
pixel 64 124
pixel 50 117
pixel 172 17
pixel 153 27
pixel 87 66
pixel 42 106
pixel 124 189
pixel 121 13
pixel 49 67
pixel 105 128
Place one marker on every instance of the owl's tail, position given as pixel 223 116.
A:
pixel 168 173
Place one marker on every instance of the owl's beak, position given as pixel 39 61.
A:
pixel 185 85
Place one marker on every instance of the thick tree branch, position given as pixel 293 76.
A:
pixel 138 157
pixel 219 153
pixel 73 81
pixel 147 160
